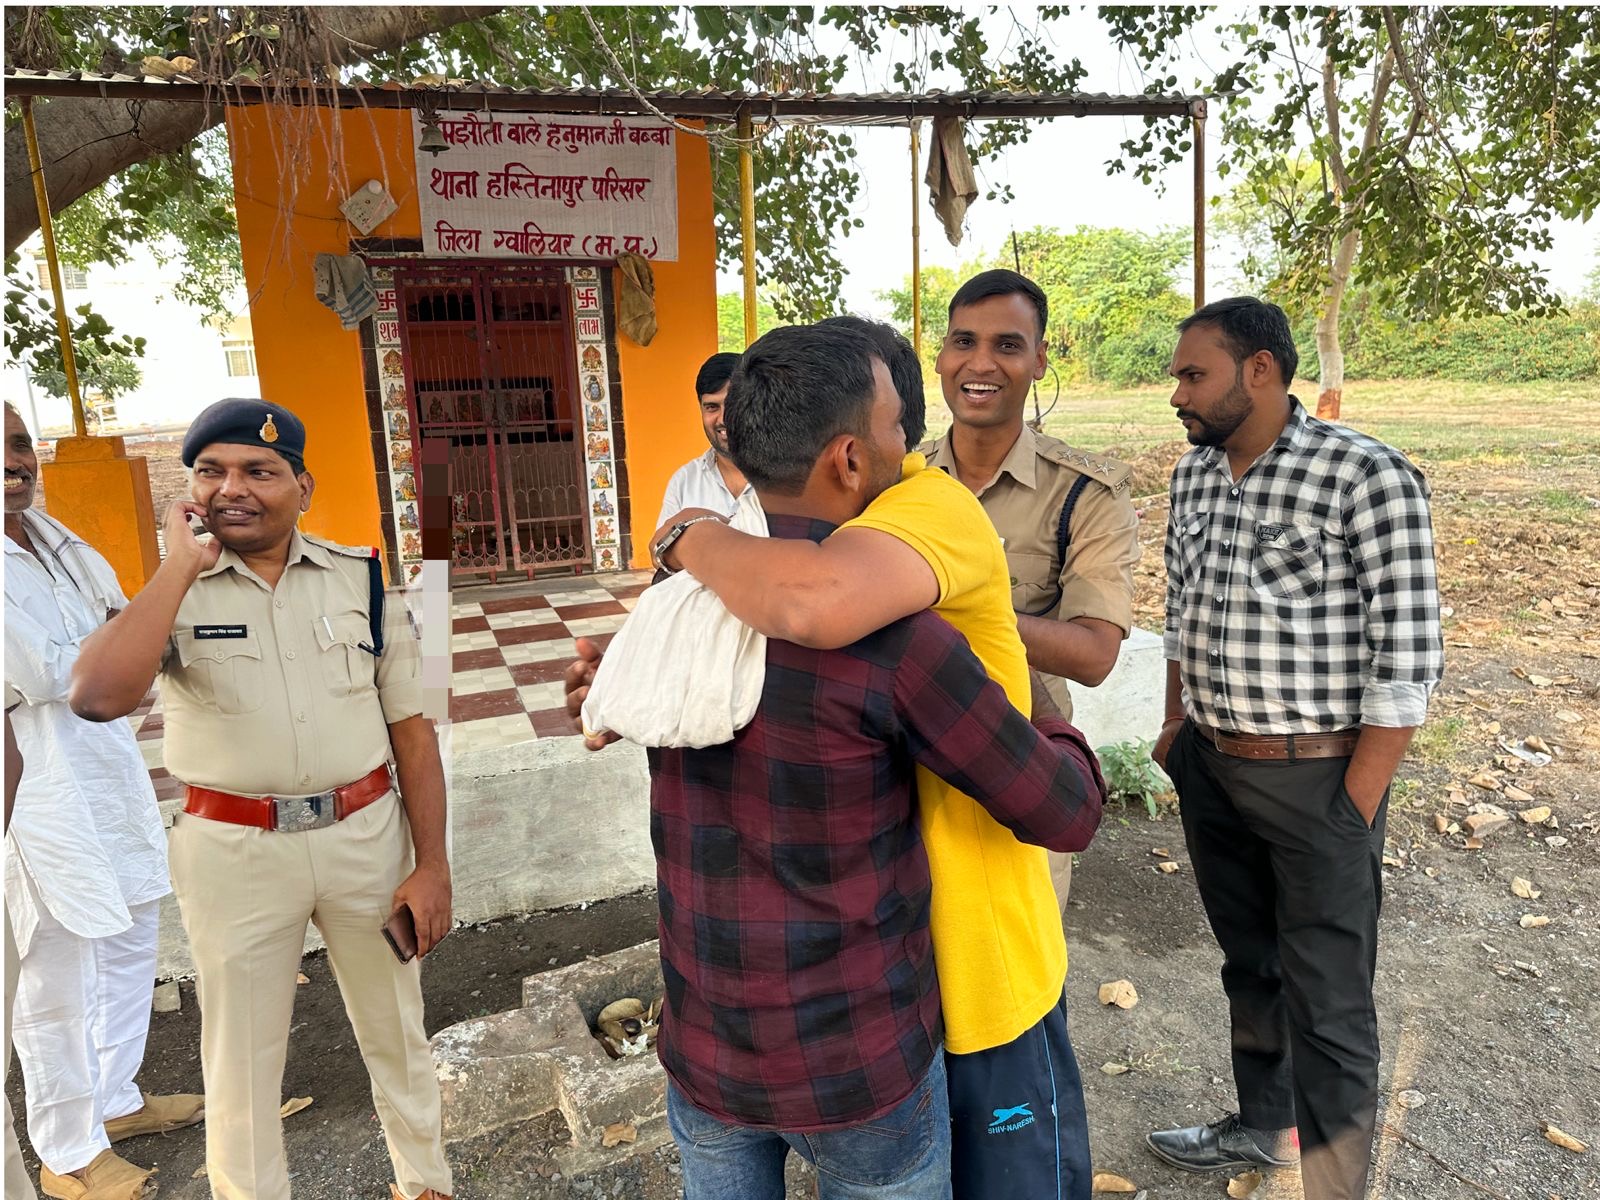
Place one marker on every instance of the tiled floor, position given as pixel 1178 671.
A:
pixel 509 646
pixel 147 725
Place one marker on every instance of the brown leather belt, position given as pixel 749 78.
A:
pixel 1283 747
pixel 290 814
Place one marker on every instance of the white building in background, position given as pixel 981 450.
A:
pixel 187 362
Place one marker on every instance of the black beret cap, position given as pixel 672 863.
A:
pixel 247 423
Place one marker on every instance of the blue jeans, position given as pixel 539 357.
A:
pixel 902 1155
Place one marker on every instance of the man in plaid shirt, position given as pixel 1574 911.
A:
pixel 802 1003
pixel 1303 640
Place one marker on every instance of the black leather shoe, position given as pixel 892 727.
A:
pixel 1220 1145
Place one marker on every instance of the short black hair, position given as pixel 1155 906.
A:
pixel 1247 325
pixel 905 368
pixel 1001 282
pixel 796 389
pixel 714 374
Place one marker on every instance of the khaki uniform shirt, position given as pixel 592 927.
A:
pixel 1024 501
pixel 267 692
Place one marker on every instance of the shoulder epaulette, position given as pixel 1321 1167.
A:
pixel 337 548
pixel 1114 474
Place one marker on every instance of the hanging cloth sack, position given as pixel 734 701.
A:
pixel 636 298
pixel 952 183
pixel 342 283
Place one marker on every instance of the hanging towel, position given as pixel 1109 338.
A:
pixel 342 283
pixel 682 671
pixel 636 299
pixel 952 185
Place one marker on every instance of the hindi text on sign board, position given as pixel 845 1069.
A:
pixel 521 186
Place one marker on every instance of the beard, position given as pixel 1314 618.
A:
pixel 885 474
pixel 21 499
pixel 1224 419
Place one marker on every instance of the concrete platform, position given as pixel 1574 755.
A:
pixel 1129 705
pixel 510 1067
pixel 547 823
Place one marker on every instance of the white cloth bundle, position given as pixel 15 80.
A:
pixel 682 671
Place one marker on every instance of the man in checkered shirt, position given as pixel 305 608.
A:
pixel 1303 640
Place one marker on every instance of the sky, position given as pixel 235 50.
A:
pixel 1059 179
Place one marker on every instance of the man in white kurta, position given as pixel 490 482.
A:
pixel 711 480
pixel 85 867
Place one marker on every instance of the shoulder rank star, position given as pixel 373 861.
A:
pixel 269 431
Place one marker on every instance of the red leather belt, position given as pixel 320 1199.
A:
pixel 290 814
pixel 1283 747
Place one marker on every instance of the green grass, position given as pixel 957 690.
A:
pixel 1440 740
pixel 1565 505
pixel 1440 420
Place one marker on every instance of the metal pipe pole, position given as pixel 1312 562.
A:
pixel 747 223
pixel 69 364
pixel 916 243
pixel 1200 208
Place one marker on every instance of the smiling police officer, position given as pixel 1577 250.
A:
pixel 285 695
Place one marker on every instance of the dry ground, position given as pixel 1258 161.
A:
pixel 1496 1026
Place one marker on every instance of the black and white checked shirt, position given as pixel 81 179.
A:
pixel 1302 598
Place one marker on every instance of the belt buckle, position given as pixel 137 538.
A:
pixel 298 814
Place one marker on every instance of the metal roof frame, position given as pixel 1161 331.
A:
pixel 877 108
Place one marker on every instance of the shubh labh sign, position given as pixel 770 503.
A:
pixel 535 185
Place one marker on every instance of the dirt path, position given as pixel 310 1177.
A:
pixel 1494 1048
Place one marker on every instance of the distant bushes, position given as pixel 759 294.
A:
pixel 1117 295
pixel 1489 349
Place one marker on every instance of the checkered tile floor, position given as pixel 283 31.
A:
pixel 509 646
pixel 147 727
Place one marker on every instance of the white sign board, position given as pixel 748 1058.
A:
pixel 537 185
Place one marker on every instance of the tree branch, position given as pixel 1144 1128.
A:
pixel 83 143
pixel 1330 103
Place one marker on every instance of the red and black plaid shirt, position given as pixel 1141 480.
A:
pixel 792 879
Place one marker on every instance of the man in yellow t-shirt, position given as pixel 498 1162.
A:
pixel 997 935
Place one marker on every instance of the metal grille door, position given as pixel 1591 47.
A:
pixel 489 369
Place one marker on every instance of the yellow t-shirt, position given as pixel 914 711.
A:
pixel 996 924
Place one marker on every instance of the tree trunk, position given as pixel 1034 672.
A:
pixel 1330 390
pixel 1330 353
pixel 83 143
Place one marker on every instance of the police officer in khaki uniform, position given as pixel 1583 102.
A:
pixel 283 708
pixel 1071 577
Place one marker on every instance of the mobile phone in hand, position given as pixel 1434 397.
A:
pixel 400 931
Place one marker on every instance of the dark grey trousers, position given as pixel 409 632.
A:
pixel 1290 876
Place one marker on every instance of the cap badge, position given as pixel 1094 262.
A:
pixel 269 431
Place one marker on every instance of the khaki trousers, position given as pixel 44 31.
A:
pixel 18 1185
pixel 1061 876
pixel 246 895
pixel 1060 864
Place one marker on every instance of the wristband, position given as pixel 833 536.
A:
pixel 659 550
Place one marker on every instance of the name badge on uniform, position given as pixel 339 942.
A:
pixel 206 633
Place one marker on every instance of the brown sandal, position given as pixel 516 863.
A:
pixel 160 1114
pixel 108 1177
